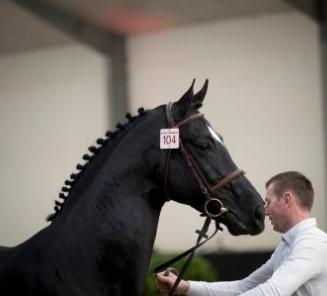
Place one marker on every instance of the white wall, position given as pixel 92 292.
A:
pixel 52 107
pixel 264 97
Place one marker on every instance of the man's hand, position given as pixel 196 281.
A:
pixel 166 281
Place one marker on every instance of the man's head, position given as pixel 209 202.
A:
pixel 289 199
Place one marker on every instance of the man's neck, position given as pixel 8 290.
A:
pixel 298 216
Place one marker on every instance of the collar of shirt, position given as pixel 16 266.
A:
pixel 291 234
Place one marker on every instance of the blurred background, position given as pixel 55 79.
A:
pixel 71 69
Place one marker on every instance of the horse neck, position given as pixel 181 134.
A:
pixel 114 219
pixel 123 174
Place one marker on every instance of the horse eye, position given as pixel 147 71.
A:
pixel 203 146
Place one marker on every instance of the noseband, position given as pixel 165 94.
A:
pixel 207 190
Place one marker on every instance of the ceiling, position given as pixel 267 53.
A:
pixel 21 30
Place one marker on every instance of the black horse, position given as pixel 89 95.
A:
pixel 101 235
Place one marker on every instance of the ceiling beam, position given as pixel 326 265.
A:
pixel 109 43
pixel 79 28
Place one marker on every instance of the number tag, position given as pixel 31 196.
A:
pixel 169 138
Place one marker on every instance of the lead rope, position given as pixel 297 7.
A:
pixel 201 234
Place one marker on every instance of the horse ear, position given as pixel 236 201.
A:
pixel 191 102
pixel 200 95
pixel 188 95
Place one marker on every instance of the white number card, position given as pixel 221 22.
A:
pixel 169 138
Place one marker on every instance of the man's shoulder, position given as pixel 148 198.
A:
pixel 312 237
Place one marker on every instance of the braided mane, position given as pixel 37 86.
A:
pixel 69 184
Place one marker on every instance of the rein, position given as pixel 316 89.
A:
pixel 207 190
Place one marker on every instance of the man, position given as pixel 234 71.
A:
pixel 298 265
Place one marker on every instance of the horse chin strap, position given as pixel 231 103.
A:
pixel 213 207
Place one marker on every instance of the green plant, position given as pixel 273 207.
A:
pixel 200 270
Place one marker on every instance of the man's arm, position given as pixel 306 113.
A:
pixel 304 263
pixel 232 288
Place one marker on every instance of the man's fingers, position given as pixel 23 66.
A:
pixel 169 270
pixel 165 275
pixel 166 279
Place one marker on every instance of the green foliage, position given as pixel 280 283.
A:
pixel 200 269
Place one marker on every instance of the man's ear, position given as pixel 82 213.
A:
pixel 289 198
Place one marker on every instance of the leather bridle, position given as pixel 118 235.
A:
pixel 207 190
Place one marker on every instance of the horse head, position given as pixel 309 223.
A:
pixel 202 174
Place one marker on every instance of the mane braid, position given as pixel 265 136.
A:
pixel 64 194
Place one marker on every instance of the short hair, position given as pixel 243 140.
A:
pixel 296 182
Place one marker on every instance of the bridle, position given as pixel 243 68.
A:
pixel 207 190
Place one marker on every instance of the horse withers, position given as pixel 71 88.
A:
pixel 101 235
